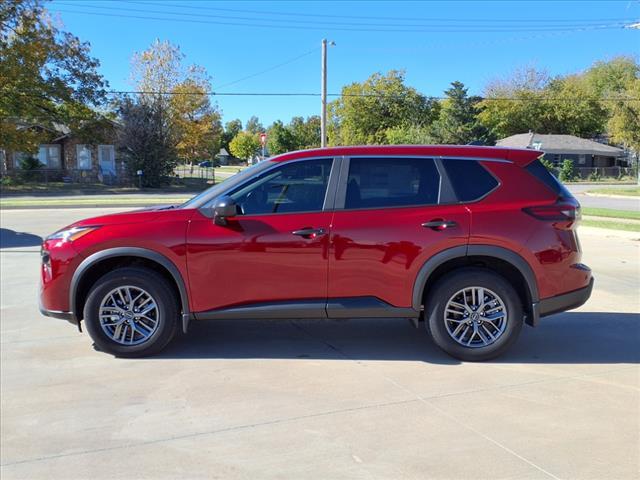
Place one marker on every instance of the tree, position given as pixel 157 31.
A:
pixel 231 129
pixel 244 145
pixel 411 135
pixel 624 121
pixel 306 133
pixel 367 110
pixel 254 125
pixel 280 139
pixel 48 77
pixel 197 123
pixel 457 123
pixel 147 140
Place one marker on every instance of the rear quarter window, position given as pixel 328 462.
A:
pixel 538 170
pixel 470 180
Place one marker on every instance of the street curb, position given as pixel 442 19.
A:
pixel 67 206
pixel 605 195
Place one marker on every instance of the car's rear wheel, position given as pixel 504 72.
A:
pixel 473 314
pixel 131 312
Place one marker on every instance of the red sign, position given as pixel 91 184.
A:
pixel 263 138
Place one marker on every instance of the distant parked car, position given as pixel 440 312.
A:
pixel 474 241
pixel 206 164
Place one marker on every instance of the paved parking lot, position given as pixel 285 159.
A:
pixel 308 399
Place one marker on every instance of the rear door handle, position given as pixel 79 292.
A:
pixel 309 232
pixel 440 224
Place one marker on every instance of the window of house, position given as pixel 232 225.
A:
pixel 392 182
pixel 18 157
pixel 49 156
pixel 107 158
pixel 83 154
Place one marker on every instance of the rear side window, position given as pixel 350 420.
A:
pixel 392 182
pixel 469 179
pixel 538 170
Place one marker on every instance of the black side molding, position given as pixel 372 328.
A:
pixel 335 308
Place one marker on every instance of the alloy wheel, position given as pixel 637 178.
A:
pixel 475 317
pixel 129 315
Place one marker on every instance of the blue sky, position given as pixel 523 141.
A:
pixel 434 42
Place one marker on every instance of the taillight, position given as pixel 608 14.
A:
pixel 558 212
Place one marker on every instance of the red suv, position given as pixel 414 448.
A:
pixel 475 241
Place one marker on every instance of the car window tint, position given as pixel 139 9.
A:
pixel 538 170
pixel 469 179
pixel 292 187
pixel 392 182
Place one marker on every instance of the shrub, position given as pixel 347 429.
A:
pixel 595 176
pixel 29 167
pixel 567 171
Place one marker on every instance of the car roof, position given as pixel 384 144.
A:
pixel 519 156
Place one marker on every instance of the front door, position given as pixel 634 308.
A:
pixel 392 221
pixel 273 255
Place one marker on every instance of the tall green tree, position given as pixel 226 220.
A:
pixel 306 133
pixel 457 122
pixel 365 111
pixel 280 139
pixel 254 125
pixel 244 145
pixel 48 77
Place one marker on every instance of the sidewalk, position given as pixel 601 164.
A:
pixel 112 200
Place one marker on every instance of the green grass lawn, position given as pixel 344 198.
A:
pixel 609 213
pixel 613 225
pixel 627 192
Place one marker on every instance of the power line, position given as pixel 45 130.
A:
pixel 365 17
pixel 322 28
pixel 385 25
pixel 357 95
pixel 270 69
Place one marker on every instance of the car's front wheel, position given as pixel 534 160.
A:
pixel 473 314
pixel 131 312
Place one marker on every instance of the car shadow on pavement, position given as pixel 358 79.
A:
pixel 574 337
pixel 13 239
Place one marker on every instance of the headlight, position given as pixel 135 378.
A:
pixel 71 234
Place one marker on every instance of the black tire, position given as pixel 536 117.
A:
pixel 167 311
pixel 457 280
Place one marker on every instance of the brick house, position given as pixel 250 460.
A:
pixel 67 157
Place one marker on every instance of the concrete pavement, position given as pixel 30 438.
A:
pixel 309 399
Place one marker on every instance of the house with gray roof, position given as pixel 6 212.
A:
pixel 556 148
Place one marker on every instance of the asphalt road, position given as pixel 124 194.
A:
pixel 309 399
pixel 592 201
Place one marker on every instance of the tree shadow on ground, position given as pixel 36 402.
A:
pixel 13 239
pixel 574 337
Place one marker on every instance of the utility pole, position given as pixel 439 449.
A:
pixel 323 96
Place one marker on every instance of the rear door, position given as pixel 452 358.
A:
pixel 392 214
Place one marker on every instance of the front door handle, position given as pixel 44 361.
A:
pixel 439 224
pixel 309 232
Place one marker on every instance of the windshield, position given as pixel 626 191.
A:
pixel 228 183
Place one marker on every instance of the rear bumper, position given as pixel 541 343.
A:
pixel 68 316
pixel 561 303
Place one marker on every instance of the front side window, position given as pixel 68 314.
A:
pixel 49 156
pixel 83 154
pixel 392 182
pixel 292 187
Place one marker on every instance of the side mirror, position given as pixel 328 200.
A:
pixel 224 207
